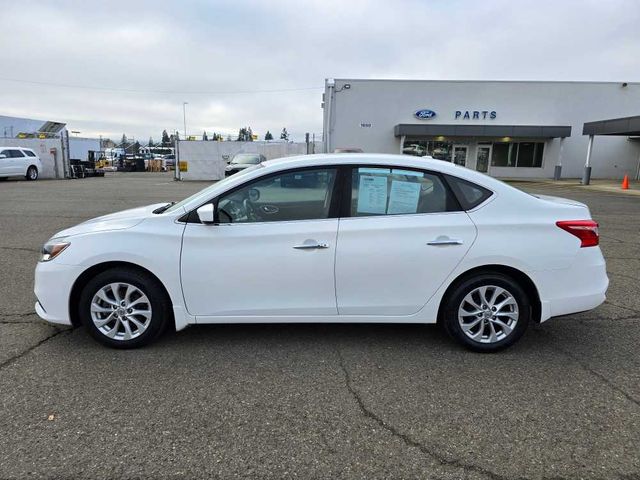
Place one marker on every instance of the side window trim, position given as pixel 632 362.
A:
pixel 348 190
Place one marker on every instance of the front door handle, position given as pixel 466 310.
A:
pixel 270 209
pixel 311 246
pixel 444 240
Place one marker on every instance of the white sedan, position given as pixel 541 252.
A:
pixel 330 238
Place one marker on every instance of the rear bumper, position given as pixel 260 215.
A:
pixel 53 283
pixel 579 288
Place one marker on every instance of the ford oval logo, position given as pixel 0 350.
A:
pixel 425 114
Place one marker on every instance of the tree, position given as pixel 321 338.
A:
pixel 244 135
pixel 268 136
pixel 150 144
pixel 166 140
pixel 123 141
pixel 284 135
pixel 204 136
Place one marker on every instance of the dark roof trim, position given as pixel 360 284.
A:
pixel 626 126
pixel 528 131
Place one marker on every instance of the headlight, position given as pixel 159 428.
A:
pixel 52 249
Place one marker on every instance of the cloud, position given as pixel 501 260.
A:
pixel 253 46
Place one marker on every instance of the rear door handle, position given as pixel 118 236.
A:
pixel 311 246
pixel 443 240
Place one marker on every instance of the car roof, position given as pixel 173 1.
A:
pixel 425 163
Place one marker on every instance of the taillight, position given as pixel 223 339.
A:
pixel 585 230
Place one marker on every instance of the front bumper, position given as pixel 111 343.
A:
pixel 53 284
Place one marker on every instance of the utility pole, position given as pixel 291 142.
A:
pixel 184 118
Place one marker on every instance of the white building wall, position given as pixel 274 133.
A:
pixel 207 160
pixel 386 103
pixel 79 147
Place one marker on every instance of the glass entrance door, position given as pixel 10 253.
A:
pixel 483 156
pixel 460 154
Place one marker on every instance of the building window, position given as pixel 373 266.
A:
pixel 439 150
pixel 517 154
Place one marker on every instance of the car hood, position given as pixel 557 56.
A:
pixel 238 166
pixel 113 221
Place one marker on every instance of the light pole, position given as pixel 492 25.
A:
pixel 184 117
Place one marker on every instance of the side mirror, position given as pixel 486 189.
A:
pixel 254 194
pixel 206 213
pixel 2 155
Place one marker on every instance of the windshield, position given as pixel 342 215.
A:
pixel 205 194
pixel 246 159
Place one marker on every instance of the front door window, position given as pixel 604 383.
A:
pixel 292 195
pixel 483 155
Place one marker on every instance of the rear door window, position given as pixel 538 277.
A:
pixel 398 191
pixel 14 153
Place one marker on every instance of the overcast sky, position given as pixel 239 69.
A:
pixel 126 66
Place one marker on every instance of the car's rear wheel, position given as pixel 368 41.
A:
pixel 32 173
pixel 487 312
pixel 124 308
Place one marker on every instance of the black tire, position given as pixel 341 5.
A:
pixel 32 173
pixel 3 179
pixel 455 299
pixel 159 302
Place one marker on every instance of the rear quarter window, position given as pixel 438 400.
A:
pixel 29 153
pixel 469 194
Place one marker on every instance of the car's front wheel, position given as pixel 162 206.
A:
pixel 124 308
pixel 32 173
pixel 487 312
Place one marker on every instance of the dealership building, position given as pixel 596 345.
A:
pixel 508 129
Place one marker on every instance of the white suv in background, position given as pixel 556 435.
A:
pixel 17 161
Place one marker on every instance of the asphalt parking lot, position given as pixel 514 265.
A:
pixel 311 401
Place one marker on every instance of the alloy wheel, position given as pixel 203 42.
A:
pixel 488 314
pixel 121 311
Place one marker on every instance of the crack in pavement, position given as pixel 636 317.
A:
pixel 590 370
pixel 615 274
pixel 15 358
pixel 25 314
pixel 410 442
pixel 22 249
pixel 622 306
pixel 591 319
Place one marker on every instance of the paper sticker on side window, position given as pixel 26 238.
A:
pixel 404 197
pixel 372 195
